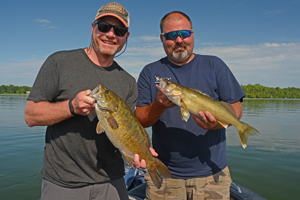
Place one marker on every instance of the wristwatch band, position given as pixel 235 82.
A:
pixel 71 107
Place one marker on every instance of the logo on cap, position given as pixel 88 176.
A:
pixel 115 7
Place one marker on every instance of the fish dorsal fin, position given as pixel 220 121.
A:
pixel 196 90
pixel 99 128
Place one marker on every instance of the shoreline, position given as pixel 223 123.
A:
pixel 244 98
pixel 14 94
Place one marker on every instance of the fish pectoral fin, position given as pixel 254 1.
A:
pixel 128 160
pixel 223 124
pixel 112 122
pixel 184 113
pixel 99 128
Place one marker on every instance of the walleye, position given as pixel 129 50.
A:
pixel 193 100
pixel 125 132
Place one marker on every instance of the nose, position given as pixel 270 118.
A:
pixel 178 39
pixel 111 32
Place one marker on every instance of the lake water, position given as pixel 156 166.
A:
pixel 269 166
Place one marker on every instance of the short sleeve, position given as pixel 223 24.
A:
pixel 229 89
pixel 132 97
pixel 46 83
pixel 144 88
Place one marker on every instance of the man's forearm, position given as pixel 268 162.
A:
pixel 45 113
pixel 148 115
pixel 238 108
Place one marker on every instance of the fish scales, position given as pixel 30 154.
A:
pixel 197 101
pixel 125 132
pixel 192 101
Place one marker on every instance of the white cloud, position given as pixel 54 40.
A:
pixel 269 64
pixel 145 38
pixel 19 73
pixel 272 12
pixel 45 23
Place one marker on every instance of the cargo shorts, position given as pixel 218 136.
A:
pixel 216 186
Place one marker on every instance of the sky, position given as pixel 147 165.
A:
pixel 259 40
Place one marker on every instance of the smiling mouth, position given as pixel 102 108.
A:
pixel 108 42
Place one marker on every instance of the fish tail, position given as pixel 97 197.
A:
pixel 245 131
pixel 158 171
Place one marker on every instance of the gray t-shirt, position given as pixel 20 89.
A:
pixel 75 155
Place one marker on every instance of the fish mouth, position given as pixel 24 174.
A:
pixel 92 94
pixel 161 85
pixel 101 100
pixel 95 92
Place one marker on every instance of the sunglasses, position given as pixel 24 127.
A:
pixel 105 27
pixel 174 34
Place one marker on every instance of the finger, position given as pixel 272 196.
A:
pixel 210 117
pixel 88 112
pixel 143 164
pixel 136 160
pixel 87 92
pixel 202 115
pixel 153 152
pixel 198 120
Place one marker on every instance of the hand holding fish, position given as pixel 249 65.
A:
pixel 207 121
pixel 142 163
pixel 148 115
pixel 126 133
pixel 163 100
pixel 83 104
pixel 192 101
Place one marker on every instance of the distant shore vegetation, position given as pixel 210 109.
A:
pixel 11 89
pixel 252 91
pixel 259 91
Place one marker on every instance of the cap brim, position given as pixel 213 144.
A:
pixel 114 15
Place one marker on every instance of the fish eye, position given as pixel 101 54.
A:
pixel 106 91
pixel 168 82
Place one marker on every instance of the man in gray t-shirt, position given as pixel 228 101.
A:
pixel 78 162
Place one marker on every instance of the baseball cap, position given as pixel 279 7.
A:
pixel 116 10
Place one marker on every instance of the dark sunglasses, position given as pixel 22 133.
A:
pixel 174 34
pixel 105 27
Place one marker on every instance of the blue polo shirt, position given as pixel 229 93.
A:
pixel 185 148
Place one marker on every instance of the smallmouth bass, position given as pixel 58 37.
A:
pixel 125 132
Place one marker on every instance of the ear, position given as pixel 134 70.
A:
pixel 161 38
pixel 127 35
pixel 93 26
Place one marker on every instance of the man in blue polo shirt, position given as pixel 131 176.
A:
pixel 194 151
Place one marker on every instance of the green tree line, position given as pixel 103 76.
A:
pixel 252 91
pixel 11 89
pixel 259 91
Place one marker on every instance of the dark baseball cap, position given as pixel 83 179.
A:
pixel 115 10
